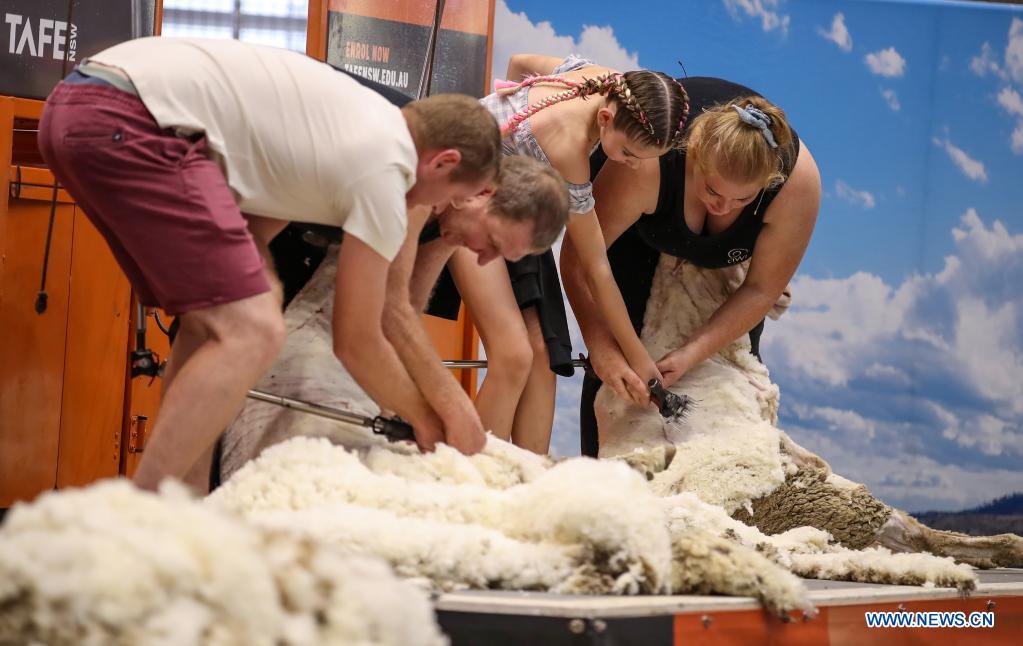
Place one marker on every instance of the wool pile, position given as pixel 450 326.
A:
pixel 111 565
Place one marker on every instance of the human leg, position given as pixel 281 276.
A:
pixel 534 419
pixel 171 222
pixel 487 292
pixel 240 341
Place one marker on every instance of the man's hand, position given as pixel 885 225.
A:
pixel 429 430
pixel 463 429
pixel 614 371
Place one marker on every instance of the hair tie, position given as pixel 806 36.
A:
pixel 759 119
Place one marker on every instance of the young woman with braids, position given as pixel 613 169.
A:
pixel 742 187
pixel 558 111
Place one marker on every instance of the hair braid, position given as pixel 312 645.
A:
pixel 588 86
pixel 632 105
pixel 678 140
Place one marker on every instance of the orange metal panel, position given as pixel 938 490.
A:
pixel 158 18
pixel 6 145
pixel 316 30
pixel 32 352
pixel 28 108
pixel 33 183
pixel 490 43
pixel 747 627
pixel 97 342
pixel 846 625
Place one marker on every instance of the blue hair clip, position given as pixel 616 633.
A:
pixel 758 119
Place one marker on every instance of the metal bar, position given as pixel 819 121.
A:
pixel 314 409
pixel 482 363
pixel 426 81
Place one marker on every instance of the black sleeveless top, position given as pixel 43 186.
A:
pixel 665 229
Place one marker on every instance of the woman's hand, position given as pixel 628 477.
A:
pixel 673 366
pixel 612 368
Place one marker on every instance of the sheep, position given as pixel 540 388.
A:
pixel 730 452
pixel 470 544
pixel 112 565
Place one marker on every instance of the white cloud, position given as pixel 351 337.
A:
pixel 1012 102
pixel 892 99
pixel 770 19
pixel 1014 51
pixel 848 422
pixel 944 351
pixel 985 63
pixel 886 373
pixel 969 166
pixel 862 199
pixel 838 34
pixel 886 62
pixel 515 33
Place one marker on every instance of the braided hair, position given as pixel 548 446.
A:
pixel 656 106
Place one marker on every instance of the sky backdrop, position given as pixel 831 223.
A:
pixel 901 360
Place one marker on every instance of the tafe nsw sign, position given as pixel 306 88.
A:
pixel 38 36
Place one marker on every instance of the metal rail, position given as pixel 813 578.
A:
pixel 482 363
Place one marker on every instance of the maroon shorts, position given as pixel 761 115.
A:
pixel 163 207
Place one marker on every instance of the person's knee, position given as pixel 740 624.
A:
pixel 270 332
pixel 511 361
pixel 260 334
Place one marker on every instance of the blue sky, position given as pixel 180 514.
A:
pixel 901 361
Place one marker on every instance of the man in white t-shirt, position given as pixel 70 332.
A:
pixel 189 155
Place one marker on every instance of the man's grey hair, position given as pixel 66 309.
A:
pixel 529 190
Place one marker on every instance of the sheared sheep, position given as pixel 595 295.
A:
pixel 730 452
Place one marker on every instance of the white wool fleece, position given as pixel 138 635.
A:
pixel 110 564
pixel 591 507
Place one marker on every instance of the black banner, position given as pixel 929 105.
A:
pixel 394 53
pixel 36 36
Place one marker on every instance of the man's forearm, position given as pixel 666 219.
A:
pixel 375 366
pixel 404 328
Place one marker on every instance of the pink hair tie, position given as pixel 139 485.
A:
pixel 503 84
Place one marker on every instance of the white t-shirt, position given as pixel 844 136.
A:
pixel 295 139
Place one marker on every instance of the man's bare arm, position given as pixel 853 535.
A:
pixel 403 326
pixel 360 344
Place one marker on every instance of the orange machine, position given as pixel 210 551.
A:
pixel 70 412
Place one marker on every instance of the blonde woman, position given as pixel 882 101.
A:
pixel 744 187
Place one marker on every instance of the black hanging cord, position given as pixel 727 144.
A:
pixel 685 74
pixel 42 299
pixel 426 81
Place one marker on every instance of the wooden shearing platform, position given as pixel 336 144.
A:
pixel 505 618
